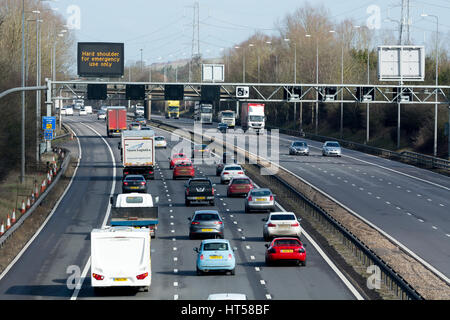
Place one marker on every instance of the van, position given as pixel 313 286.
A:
pixel 88 109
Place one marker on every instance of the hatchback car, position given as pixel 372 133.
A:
pixel 134 183
pixel 215 255
pixel 177 157
pixel 69 111
pixel 135 126
pixel 183 169
pixel 230 171
pixel 331 148
pixel 286 250
pixel 281 224
pixel 239 186
pixel 206 223
pixel 160 142
pixel 222 127
pixel 82 112
pixel 200 151
pixel 299 147
pixel 101 115
pixel 261 199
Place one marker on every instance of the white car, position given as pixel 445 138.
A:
pixel 331 148
pixel 101 115
pixel 69 111
pixel 83 112
pixel 281 224
pixel 139 111
pixel 230 171
pixel 160 142
pixel 88 109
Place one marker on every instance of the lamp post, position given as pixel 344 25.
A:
pixel 317 82
pixel 342 82
pixel 437 82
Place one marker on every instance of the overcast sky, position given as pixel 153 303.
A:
pixel 163 28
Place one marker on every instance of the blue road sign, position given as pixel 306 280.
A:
pixel 48 123
pixel 48 134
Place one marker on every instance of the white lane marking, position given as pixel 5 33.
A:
pixel 175 284
pixel 175 270
pixel 257 269
pixel 268 297
pixel 420 220
pixel 262 282
pixel 175 297
pixel 408 213
pixel 434 227
pixel 252 257
pixel 175 259
pixel 247 247
pixel 108 212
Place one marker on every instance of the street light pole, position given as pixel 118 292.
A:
pixel 22 167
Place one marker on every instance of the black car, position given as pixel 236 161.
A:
pixel 227 158
pixel 134 183
pixel 206 223
pixel 222 127
pixel 199 190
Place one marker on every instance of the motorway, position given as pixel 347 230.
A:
pixel 40 272
pixel 410 204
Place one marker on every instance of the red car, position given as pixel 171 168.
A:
pixel 177 157
pixel 286 249
pixel 183 169
pixel 239 186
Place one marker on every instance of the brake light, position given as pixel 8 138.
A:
pixel 250 198
pixel 125 183
pixel 201 257
pixel 187 192
pixel 195 222
pixel 295 224
pixel 217 222
pixel 271 198
pixel 212 190
pixel 230 256
pixel 98 277
pixel 143 183
pixel 142 276
pixel 240 172
pixel 150 172
pixel 271 225
pixel 226 173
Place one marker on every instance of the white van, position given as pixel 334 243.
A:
pixel 69 111
pixel 120 257
pixel 88 109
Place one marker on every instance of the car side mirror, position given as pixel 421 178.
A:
pixel 299 219
pixel 196 250
pixel 264 219
pixel 189 218
pixel 266 245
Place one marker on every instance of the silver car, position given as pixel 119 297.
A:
pixel 331 148
pixel 230 171
pixel 206 223
pixel 261 199
pixel 281 224
pixel 299 147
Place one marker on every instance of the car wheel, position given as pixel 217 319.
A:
pixel 303 263
pixel 199 272
pixel 266 238
pixel 187 203
pixel 246 209
pixel 268 262
pixel 145 289
pixel 232 272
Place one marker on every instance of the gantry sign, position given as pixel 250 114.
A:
pixel 258 92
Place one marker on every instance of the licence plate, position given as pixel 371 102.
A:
pixel 134 187
pixel 120 279
pixel 286 251
pixel 200 198
pixel 207 230
pixel 260 199
pixel 215 257
pixel 284 226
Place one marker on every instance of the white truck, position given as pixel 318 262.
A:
pixel 120 257
pixel 138 152
pixel 203 112
pixel 252 117
pixel 228 117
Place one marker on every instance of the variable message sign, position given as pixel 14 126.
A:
pixel 100 59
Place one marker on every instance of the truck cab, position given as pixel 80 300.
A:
pixel 228 117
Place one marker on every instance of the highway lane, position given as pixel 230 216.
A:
pixel 409 203
pixel 40 273
pixel 173 258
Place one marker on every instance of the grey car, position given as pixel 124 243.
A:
pixel 299 147
pixel 134 183
pixel 206 223
pixel 261 199
pixel 331 148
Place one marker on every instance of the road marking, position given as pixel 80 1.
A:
pixel 257 269
pixel 175 297
pixel 435 228
pixel 268 297
pixel 175 270
pixel 175 284
pixel 262 282
pixel 420 220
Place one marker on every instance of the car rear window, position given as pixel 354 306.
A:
pixel 134 200
pixel 184 164
pixel 241 181
pixel 133 178
pixel 206 217
pixel 282 217
pixel 220 246
pixel 199 183
pixel 287 242
pixel 233 168
pixel 261 193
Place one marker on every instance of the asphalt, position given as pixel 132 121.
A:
pixel 41 272
pixel 409 203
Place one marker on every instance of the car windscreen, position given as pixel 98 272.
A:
pixel 299 144
pixel 256 118
pixel 332 144
pixel 228 114
pixel 287 242
pixel 240 181
pixel 261 193
pixel 206 217
pixel 215 246
pixel 179 155
pixel 282 217
pixel 159 138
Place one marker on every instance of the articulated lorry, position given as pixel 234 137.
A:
pixel 203 112
pixel 252 117
pixel 116 120
pixel 228 117
pixel 172 108
pixel 138 152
